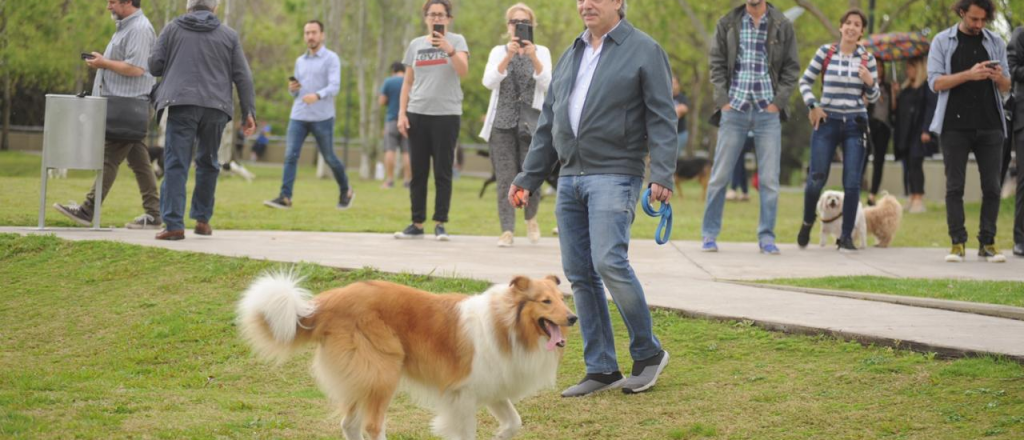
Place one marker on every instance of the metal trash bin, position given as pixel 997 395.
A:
pixel 74 135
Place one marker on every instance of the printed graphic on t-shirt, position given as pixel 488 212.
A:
pixel 431 57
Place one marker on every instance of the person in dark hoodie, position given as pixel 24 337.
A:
pixel 199 59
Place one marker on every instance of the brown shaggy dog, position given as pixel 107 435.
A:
pixel 884 219
pixel 451 353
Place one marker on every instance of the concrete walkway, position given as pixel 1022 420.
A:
pixel 676 276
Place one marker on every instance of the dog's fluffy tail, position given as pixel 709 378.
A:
pixel 270 315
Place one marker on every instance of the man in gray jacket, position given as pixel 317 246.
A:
pixel 754 69
pixel 199 59
pixel 609 107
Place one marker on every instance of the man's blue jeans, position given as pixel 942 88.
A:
pixel 594 218
pixel 732 135
pixel 833 132
pixel 189 126
pixel 681 139
pixel 323 132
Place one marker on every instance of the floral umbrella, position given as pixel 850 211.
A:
pixel 897 46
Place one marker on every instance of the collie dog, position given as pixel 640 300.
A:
pixel 451 353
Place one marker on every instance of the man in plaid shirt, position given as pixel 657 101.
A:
pixel 754 69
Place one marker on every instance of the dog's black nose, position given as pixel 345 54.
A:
pixel 572 319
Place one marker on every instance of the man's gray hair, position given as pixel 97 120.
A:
pixel 192 5
pixel 622 9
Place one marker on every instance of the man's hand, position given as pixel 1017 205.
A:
pixel 403 124
pixel 97 61
pixel 660 193
pixel 979 72
pixel 995 72
pixel 518 197
pixel 926 137
pixel 772 108
pixel 311 98
pixel 249 127
pixel 817 116
pixel 726 108
pixel 294 86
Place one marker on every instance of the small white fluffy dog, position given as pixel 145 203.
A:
pixel 881 220
pixel 830 210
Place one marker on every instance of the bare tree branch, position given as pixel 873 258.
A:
pixel 810 7
pixel 902 9
pixel 697 24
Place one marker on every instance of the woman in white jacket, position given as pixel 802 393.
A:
pixel 518 74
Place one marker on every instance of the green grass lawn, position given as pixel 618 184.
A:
pixel 106 340
pixel 1007 293
pixel 239 206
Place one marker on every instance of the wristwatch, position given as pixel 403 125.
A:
pixel 812 106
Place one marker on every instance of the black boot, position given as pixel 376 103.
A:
pixel 804 236
pixel 845 244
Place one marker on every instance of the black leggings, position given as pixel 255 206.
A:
pixel 914 168
pixel 880 134
pixel 432 137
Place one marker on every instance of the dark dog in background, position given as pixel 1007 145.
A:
pixel 552 178
pixel 697 168
pixel 156 158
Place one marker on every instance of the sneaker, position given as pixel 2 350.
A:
pixel 144 221
pixel 554 231
pixel 845 244
pixel 440 234
pixel 744 197
pixel 74 212
pixel 505 240
pixel 410 233
pixel 595 383
pixel 1018 249
pixel 990 253
pixel 956 254
pixel 533 230
pixel 281 202
pixel 645 373
pixel 345 200
pixel 804 236
pixel 770 249
pixel 709 245
pixel 730 195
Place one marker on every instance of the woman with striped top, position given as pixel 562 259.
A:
pixel 849 81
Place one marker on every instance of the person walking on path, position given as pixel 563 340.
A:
pixel 430 113
pixel 849 77
pixel 518 74
pixel 316 82
pixel 395 143
pixel 968 69
pixel 122 71
pixel 1015 55
pixel 754 70
pixel 199 59
pixel 611 74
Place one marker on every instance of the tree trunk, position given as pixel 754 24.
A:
pixel 5 136
pixel 5 142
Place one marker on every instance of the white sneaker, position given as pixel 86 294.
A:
pixel 505 240
pixel 533 230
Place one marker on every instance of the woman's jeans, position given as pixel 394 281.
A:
pixel 848 132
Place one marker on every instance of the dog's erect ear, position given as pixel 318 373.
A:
pixel 554 279
pixel 520 283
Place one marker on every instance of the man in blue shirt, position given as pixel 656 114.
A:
pixel 390 95
pixel 316 82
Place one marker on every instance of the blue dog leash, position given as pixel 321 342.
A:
pixel 664 230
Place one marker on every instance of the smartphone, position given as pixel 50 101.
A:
pixel 524 32
pixel 292 78
pixel 87 56
pixel 992 64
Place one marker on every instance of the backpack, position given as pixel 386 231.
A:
pixel 828 59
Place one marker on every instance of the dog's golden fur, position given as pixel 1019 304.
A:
pixel 454 353
pixel 883 219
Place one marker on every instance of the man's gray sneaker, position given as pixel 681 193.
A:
pixel 144 221
pixel 281 202
pixel 411 232
pixel 74 212
pixel 645 373
pixel 595 383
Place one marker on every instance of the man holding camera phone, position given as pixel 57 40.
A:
pixel 121 72
pixel 314 85
pixel 968 69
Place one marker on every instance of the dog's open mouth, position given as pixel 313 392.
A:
pixel 554 332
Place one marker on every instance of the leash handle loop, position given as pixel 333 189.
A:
pixel 664 230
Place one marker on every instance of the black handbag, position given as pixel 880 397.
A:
pixel 127 118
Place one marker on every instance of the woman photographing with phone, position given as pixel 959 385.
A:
pixel 849 75
pixel 518 74
pixel 429 114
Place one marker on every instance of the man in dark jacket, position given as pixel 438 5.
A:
pixel 1015 56
pixel 754 69
pixel 199 59
pixel 609 107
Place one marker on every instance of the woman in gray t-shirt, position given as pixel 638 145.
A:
pixel 429 114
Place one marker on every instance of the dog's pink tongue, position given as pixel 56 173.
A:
pixel 556 335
